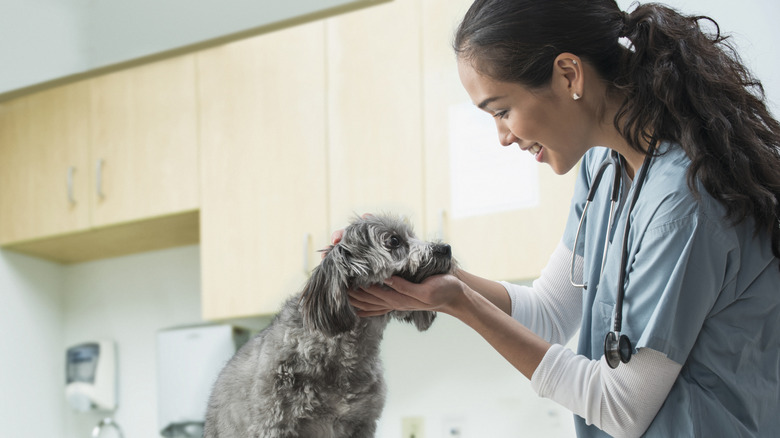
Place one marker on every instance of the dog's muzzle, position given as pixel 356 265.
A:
pixel 443 250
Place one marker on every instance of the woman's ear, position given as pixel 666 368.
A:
pixel 568 75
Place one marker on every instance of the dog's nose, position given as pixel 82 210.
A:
pixel 444 250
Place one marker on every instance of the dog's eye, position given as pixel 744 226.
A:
pixel 394 242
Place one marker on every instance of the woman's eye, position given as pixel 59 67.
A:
pixel 499 115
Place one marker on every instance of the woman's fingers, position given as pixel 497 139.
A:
pixel 374 298
pixel 366 314
pixel 366 301
pixel 400 294
pixel 336 236
pixel 395 299
pixel 432 294
pixel 366 304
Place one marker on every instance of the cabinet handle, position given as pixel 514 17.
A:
pixel 99 183
pixel 71 199
pixel 307 241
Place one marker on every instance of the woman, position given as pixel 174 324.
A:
pixel 699 265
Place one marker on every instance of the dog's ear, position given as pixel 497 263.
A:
pixel 325 300
pixel 422 319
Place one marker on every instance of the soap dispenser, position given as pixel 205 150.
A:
pixel 90 371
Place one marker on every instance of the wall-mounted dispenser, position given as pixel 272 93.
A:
pixel 189 360
pixel 90 372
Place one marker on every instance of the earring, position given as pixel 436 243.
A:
pixel 575 95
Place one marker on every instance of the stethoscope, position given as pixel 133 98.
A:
pixel 617 347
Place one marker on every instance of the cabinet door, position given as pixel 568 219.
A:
pixel 374 112
pixel 509 243
pixel 144 137
pixel 44 172
pixel 264 203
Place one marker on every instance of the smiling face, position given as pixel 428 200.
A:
pixel 549 123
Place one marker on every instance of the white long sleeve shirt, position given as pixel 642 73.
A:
pixel 621 401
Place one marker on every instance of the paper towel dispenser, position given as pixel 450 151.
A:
pixel 189 360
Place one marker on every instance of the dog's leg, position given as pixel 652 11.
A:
pixel 366 410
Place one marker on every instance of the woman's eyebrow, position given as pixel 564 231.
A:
pixel 488 101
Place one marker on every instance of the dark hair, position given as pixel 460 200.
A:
pixel 679 84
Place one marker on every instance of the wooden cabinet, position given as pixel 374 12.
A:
pixel 301 129
pixel 264 201
pixel 512 244
pixel 102 167
pixel 374 112
pixel 44 164
pixel 145 139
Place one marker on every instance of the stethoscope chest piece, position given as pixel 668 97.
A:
pixel 617 349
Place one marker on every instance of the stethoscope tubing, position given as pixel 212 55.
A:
pixel 617 347
pixel 614 161
pixel 621 291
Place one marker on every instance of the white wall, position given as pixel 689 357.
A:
pixel 128 299
pixel 39 41
pixel 119 30
pixel 32 365
pixel 44 40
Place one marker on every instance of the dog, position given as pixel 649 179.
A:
pixel 315 371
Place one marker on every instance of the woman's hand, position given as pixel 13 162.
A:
pixel 334 239
pixel 337 235
pixel 438 293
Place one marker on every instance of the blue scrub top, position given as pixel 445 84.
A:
pixel 702 291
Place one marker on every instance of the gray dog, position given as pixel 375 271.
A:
pixel 315 372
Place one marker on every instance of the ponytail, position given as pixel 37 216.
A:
pixel 686 86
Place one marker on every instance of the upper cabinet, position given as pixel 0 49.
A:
pixel 264 204
pixel 44 164
pixel 502 212
pixel 102 167
pixel 145 142
pixel 374 113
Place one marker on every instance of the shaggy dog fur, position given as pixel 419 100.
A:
pixel 315 372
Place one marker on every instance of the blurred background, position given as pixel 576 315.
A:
pixel 174 165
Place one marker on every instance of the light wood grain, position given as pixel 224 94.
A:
pixel 264 204
pixel 144 128
pixel 374 112
pixel 115 240
pixel 143 124
pixel 41 137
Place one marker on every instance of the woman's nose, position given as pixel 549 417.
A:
pixel 505 137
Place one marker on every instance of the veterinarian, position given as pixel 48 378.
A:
pixel 679 282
